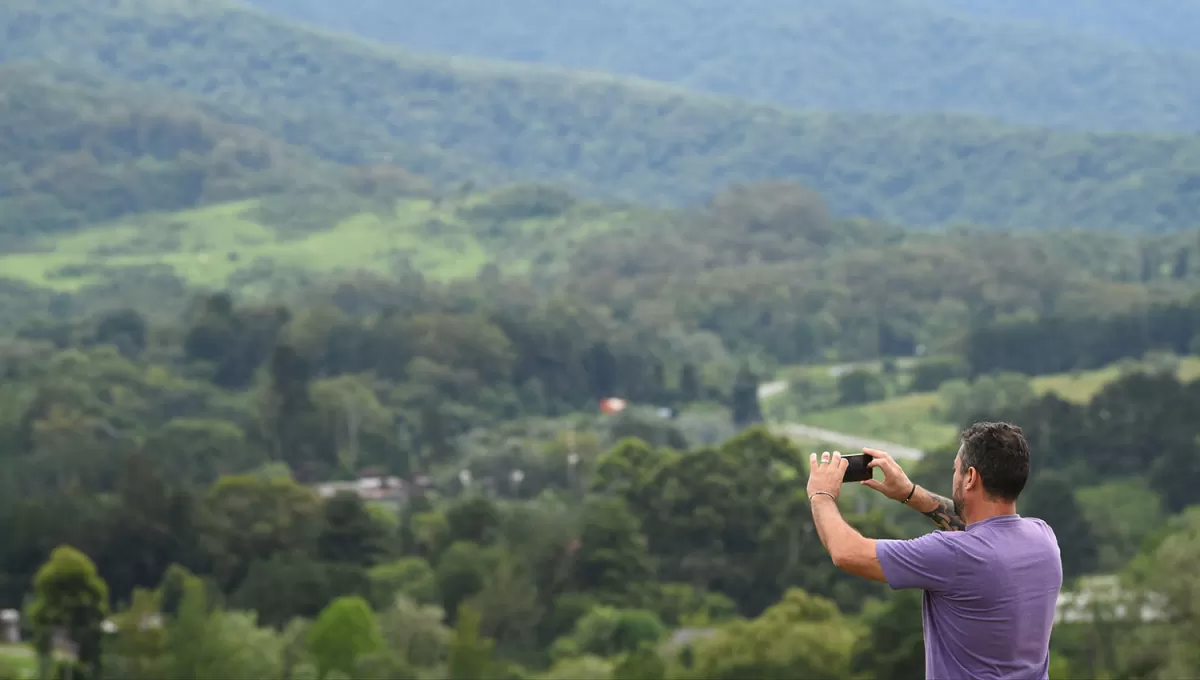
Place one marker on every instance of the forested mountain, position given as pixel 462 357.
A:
pixel 81 150
pixel 1156 24
pixel 866 55
pixel 450 119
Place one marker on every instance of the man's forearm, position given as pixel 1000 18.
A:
pixel 850 550
pixel 939 510
pixel 835 532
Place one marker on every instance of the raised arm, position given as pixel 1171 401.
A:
pixel 896 486
pixel 939 510
pixel 850 550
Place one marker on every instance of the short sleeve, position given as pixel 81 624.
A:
pixel 929 562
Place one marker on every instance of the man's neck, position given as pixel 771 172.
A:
pixel 984 510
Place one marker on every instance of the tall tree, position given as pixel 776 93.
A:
pixel 349 533
pixel 69 596
pixel 744 399
pixel 343 633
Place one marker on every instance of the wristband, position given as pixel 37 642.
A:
pixel 822 493
pixel 910 495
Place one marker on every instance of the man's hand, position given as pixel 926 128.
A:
pixel 895 484
pixel 826 476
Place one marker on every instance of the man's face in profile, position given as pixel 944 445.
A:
pixel 958 495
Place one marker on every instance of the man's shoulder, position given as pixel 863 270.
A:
pixel 931 540
pixel 1031 538
pixel 1039 525
pixel 1013 530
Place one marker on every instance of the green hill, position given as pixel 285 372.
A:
pixel 82 150
pixel 450 119
pixel 231 245
pixel 867 55
pixel 763 272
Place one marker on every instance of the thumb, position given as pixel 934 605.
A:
pixel 873 484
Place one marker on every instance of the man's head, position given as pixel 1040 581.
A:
pixel 992 464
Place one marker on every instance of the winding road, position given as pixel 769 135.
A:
pixel 851 442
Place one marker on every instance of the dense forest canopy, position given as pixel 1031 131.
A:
pixel 449 119
pixel 864 55
pixel 169 438
pixel 89 150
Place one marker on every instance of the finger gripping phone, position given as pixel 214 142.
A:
pixel 857 469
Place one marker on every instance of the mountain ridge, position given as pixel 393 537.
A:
pixel 455 119
pixel 861 55
pixel 1159 24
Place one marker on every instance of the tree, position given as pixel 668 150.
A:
pixel 654 431
pixel 206 642
pixel 152 526
pixel 508 605
pixel 352 413
pixel 689 384
pixel 989 397
pixel 608 631
pixel 189 628
pixel 746 410
pixel 470 654
pixel 682 606
pixel 411 577
pixel 803 636
pixel 929 374
pixel 474 518
pixel 287 412
pixel 1169 651
pixel 139 648
pixel 349 533
pixel 285 587
pixel 238 647
pixel 342 634
pixel 724 520
pixel 460 573
pixel 1051 497
pixel 643 664
pixel 126 329
pixel 896 647
pixel 1122 514
pixel 69 596
pixel 771 218
pixel 202 450
pixel 436 446
pixel 860 386
pixel 250 518
pixel 613 557
pixel 415 632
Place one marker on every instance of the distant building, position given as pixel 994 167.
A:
pixel 10 624
pixel 1103 597
pixel 390 488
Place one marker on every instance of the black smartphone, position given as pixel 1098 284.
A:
pixel 857 470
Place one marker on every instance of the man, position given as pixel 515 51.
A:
pixel 991 577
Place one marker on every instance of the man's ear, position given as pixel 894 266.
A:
pixel 972 478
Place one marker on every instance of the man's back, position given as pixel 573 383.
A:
pixel 990 596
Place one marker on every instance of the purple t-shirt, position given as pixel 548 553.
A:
pixel 990 595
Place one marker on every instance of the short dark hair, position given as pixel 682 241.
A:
pixel 1000 454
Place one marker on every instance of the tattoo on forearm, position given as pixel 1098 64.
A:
pixel 943 516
